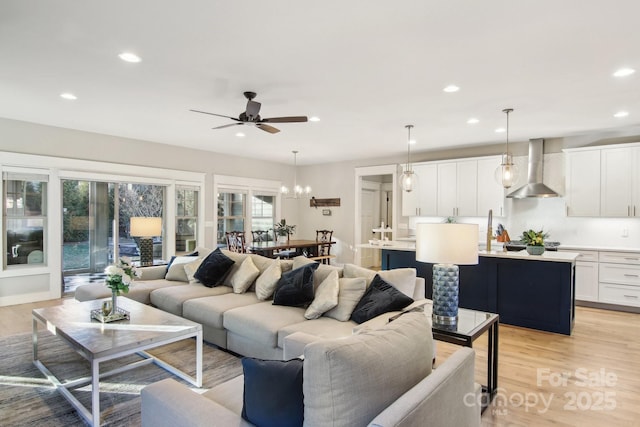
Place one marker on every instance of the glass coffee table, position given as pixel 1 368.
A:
pixel 99 342
pixel 472 324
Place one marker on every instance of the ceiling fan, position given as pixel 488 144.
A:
pixel 252 117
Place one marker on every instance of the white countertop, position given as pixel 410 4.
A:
pixel 523 254
pixel 596 248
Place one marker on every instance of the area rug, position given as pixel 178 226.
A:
pixel 28 399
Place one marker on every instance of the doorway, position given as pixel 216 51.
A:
pixel 375 204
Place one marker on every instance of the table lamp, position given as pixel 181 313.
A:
pixel 145 228
pixel 446 246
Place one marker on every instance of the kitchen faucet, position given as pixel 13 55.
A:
pixel 489 231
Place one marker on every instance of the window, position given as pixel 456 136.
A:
pixel 25 217
pixel 231 214
pixel 262 212
pixel 186 219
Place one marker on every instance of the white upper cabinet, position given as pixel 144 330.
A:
pixel 583 183
pixel 467 188
pixel 463 187
pixel 423 199
pixel 616 195
pixel 604 181
pixel 447 189
pixel 490 193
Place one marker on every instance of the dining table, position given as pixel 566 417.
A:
pixel 271 249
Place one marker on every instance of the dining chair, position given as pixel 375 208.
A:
pixel 324 238
pixel 260 236
pixel 236 241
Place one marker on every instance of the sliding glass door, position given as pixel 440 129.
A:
pixel 96 217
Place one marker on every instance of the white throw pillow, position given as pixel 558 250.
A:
pixel 244 277
pixel 326 297
pixel 350 292
pixel 191 268
pixel 321 273
pixel 267 281
pixel 176 269
pixel 403 279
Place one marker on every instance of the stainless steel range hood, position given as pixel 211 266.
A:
pixel 535 187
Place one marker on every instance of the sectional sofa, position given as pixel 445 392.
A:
pixel 243 319
pixel 377 377
pixel 358 367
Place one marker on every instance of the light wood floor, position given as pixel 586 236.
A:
pixel 591 378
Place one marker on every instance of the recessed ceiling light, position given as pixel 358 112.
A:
pixel 501 130
pixel 129 57
pixel 314 119
pixel 240 135
pixel 620 114
pixel 68 95
pixel 473 121
pixel 624 72
pixel 451 88
pixel 412 141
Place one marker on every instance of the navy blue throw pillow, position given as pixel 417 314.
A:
pixel 295 287
pixel 213 269
pixel 273 392
pixel 381 297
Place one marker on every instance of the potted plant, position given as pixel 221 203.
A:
pixel 534 241
pixel 283 230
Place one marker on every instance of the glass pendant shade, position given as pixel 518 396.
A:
pixel 408 178
pixel 408 181
pixel 507 173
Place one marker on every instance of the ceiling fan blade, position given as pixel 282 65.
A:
pixel 292 119
pixel 226 126
pixel 267 128
pixel 253 109
pixel 214 114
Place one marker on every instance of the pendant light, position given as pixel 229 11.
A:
pixel 507 173
pixel 297 192
pixel 408 179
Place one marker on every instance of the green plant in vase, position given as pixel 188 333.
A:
pixel 534 240
pixel 282 229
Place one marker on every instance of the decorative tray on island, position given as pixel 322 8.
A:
pixel 117 314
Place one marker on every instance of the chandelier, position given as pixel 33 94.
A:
pixel 297 191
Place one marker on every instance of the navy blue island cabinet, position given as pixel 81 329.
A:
pixel 527 292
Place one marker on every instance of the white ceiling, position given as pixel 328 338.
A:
pixel 366 68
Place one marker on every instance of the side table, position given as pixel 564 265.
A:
pixel 471 324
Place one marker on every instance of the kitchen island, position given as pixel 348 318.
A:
pixel 533 291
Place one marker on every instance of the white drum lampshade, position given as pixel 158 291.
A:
pixel 446 246
pixel 145 228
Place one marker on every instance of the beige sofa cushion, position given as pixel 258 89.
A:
pixel 176 269
pixel 267 281
pixel 261 322
pixel 321 272
pixel 350 292
pixel 326 297
pixel 209 311
pixel 171 299
pixel 359 376
pixel 403 279
pixel 244 277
